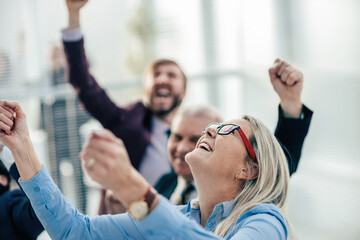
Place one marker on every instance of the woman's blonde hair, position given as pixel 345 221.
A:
pixel 271 184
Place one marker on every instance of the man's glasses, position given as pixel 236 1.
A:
pixel 226 129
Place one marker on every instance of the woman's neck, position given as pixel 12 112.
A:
pixel 210 196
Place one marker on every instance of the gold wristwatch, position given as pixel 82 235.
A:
pixel 140 209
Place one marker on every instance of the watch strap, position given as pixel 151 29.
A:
pixel 149 196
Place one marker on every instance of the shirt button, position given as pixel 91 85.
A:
pixel 36 189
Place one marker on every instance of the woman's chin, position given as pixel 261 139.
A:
pixel 196 156
pixel 198 153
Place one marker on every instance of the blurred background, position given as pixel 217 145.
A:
pixel 225 47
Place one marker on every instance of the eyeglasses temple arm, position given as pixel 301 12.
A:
pixel 248 146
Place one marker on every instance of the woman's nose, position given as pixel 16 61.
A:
pixel 210 131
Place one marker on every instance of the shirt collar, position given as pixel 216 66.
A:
pixel 226 206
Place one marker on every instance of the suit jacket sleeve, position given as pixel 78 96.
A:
pixel 24 216
pixel 291 133
pixel 94 98
pixel 14 173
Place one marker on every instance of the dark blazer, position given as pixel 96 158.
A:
pixel 132 123
pixel 166 184
pixel 17 218
pixel 290 132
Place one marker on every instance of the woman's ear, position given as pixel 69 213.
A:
pixel 248 173
pixel 253 171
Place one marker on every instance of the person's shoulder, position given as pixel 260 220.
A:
pixel 168 176
pixel 265 208
pixel 17 193
pixel 165 182
pixel 264 211
pixel 136 107
pixel 13 196
pixel 14 193
pixel 268 221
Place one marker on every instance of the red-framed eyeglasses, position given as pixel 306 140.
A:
pixel 226 129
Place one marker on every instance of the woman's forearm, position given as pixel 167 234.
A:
pixel 26 160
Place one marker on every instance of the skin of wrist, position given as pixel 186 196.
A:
pixel 22 145
pixel 291 109
pixel 26 160
pixel 74 20
pixel 132 188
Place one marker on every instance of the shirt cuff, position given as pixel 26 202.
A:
pixel 72 35
pixel 42 181
pixel 34 181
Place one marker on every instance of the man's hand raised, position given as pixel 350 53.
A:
pixel 74 7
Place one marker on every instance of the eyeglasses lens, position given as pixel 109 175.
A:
pixel 212 125
pixel 226 129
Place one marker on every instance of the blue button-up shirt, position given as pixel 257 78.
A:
pixel 62 220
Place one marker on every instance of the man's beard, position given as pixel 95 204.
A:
pixel 163 112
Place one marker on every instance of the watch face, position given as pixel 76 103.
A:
pixel 138 210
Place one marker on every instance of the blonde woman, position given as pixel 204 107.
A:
pixel 239 169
